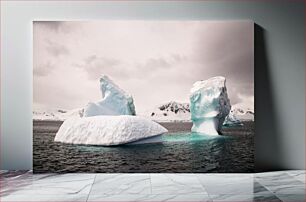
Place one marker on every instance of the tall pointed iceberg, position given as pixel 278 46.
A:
pixel 110 121
pixel 115 101
pixel 209 105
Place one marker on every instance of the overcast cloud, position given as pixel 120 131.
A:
pixel 155 61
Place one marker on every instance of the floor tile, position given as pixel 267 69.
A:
pixel 121 184
pixel 175 184
pixel 259 189
pixel 149 198
pixel 295 189
pixel 272 175
pixel 265 198
pixel 297 174
pixel 291 197
pixel 281 183
pixel 245 198
pixel 43 198
pixel 48 184
pixel 232 184
pixel 232 198
pixel 14 181
pixel 287 186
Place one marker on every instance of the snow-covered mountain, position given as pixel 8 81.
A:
pixel 175 111
pixel 171 111
pixel 243 111
pixel 57 114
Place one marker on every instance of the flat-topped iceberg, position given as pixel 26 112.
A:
pixel 107 130
pixel 115 101
pixel 209 105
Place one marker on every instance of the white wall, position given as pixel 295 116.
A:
pixel 280 73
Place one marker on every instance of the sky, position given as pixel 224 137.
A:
pixel 154 61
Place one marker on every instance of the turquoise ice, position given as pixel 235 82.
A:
pixel 209 105
pixel 114 101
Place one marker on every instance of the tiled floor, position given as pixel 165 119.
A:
pixel 273 186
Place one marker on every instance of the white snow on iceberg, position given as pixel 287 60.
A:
pixel 115 101
pixel 107 130
pixel 209 105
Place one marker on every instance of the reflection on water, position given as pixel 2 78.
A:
pixel 178 152
pixel 180 138
pixel 191 137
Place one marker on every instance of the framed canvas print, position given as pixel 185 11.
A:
pixel 143 96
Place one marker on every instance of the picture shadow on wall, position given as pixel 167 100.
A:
pixel 267 130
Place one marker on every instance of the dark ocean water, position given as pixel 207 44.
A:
pixel 180 152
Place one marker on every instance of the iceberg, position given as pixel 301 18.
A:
pixel 115 101
pixel 209 105
pixel 108 130
pixel 232 120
